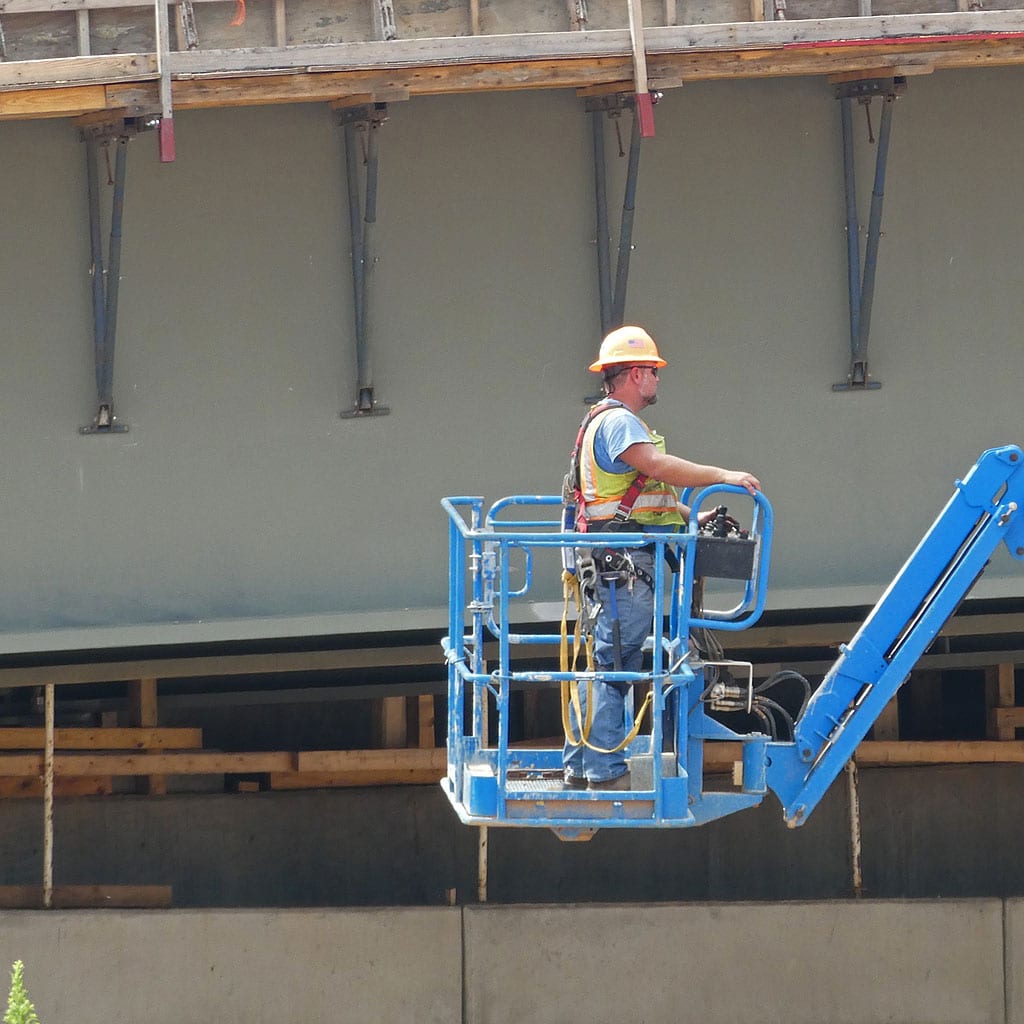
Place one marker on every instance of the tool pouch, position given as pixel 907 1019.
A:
pixel 614 563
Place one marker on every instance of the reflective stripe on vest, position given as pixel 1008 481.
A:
pixel 658 503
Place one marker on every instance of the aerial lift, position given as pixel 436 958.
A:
pixel 794 755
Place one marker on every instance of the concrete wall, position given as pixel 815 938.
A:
pixel 952 833
pixel 840 963
pixel 239 495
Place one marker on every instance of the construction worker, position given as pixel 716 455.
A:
pixel 614 448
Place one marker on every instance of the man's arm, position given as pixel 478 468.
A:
pixel 645 458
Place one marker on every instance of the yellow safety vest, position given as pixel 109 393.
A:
pixel 657 503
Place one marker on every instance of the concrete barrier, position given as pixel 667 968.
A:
pixel 239 966
pixel 800 963
pixel 1014 961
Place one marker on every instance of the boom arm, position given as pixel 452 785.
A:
pixel 984 510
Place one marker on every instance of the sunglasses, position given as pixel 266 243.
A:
pixel 653 369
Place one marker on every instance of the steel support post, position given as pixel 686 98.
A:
pixel 362 122
pixel 862 281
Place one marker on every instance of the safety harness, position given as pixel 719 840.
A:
pixel 573 488
pixel 606 562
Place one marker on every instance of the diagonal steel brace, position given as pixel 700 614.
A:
pixel 861 283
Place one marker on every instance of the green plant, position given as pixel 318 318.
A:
pixel 19 1008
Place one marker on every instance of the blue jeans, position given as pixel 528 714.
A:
pixel 608 727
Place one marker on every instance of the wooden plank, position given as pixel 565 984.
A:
pixel 720 757
pixel 27 897
pixel 143 713
pixel 676 54
pixel 425 720
pixel 474 17
pixel 347 761
pixel 13 787
pixel 32 738
pixel 60 6
pixel 33 103
pixel 142 703
pixel 76 71
pixel 866 74
pixel 391 727
pixel 1000 695
pixel 84 44
pixel 660 40
pixel 149 764
pixel 338 780
pixel 635 12
pixel 280 23
pixel 1006 722
pixel 664 73
pixel 941 752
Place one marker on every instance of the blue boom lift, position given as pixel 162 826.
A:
pixel 490 783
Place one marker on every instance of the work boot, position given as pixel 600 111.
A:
pixel 619 782
pixel 570 781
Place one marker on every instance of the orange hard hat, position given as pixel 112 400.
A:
pixel 627 345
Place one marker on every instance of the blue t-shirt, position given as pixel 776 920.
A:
pixel 616 431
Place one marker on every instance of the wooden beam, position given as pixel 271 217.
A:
pixel 142 703
pixel 941 752
pixel 207 763
pixel 1000 696
pixel 719 757
pixel 391 725
pixel 128 67
pixel 143 713
pixel 27 897
pixel 348 780
pixel 1007 721
pixel 13 787
pixel 338 761
pixel 32 738
pixel 82 22
pixel 280 23
pixel 803 37
pixel 425 720
pixel 59 6
pixel 675 55
pixel 866 74
pixel 26 104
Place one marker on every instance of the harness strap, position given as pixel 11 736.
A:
pixel 571 690
pixel 634 490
